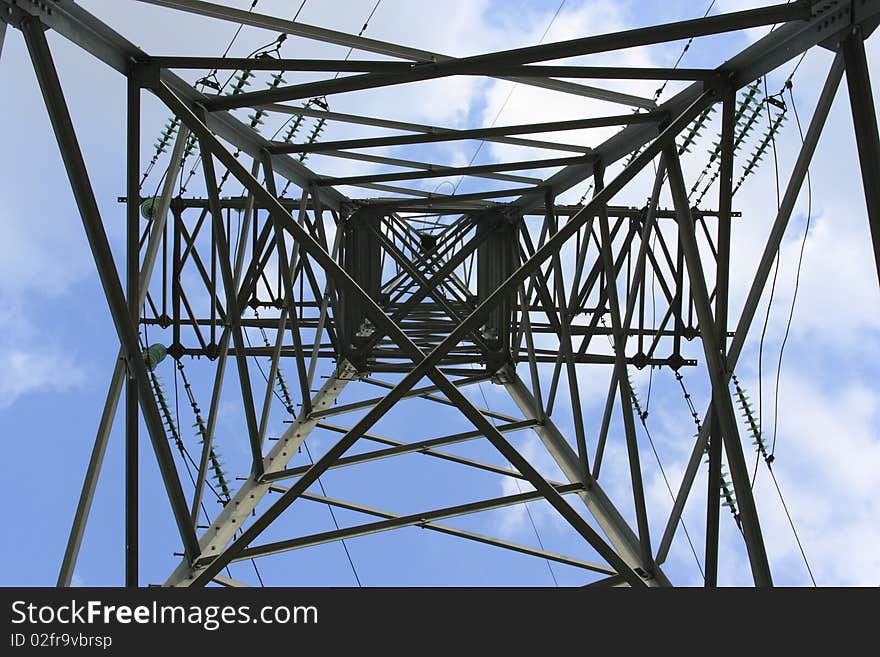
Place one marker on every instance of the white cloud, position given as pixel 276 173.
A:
pixel 28 367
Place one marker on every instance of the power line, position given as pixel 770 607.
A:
pixel 662 87
pixel 525 504
pixel 504 104
pixel 797 279
pixel 777 259
pixel 643 416
pixel 791 523
pixel 288 404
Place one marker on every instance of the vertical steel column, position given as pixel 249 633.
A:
pixel 96 460
pixel 132 271
pixel 759 282
pixel 71 154
pixel 861 102
pixel 725 198
pixel 718 374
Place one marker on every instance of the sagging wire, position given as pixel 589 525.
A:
pixel 768 458
pixel 504 104
pixel 797 279
pixel 659 91
pixel 726 487
pixel 777 258
pixel 525 504
pixel 285 398
pixel 643 417
pixel 361 33
pixel 769 455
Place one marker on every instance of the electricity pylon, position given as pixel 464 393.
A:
pixel 367 304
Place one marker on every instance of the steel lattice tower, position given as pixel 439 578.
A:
pixel 368 302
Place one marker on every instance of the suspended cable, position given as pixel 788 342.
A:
pixel 769 458
pixel 525 504
pixel 286 400
pixel 777 259
pixel 661 88
pixel 504 104
pixel 791 523
pixel 797 278
pixel 361 33
pixel 643 416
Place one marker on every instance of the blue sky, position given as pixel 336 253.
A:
pixel 57 343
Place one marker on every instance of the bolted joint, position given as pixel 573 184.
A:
pixel 721 83
pixel 21 19
pixel 144 73
pixel 128 363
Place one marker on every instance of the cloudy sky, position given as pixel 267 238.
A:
pixel 57 343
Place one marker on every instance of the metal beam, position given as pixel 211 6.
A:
pixel 442 172
pixel 408 127
pixel 223 353
pixel 759 282
pixel 100 247
pixel 623 385
pixel 476 133
pixel 399 447
pixel 458 533
pixel 612 523
pixel 861 102
pixel 233 311
pixel 800 10
pixel 90 481
pixel 409 520
pixel 132 270
pixel 725 198
pixel 386 66
pixel 252 490
pixel 719 374
pixel 380 47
